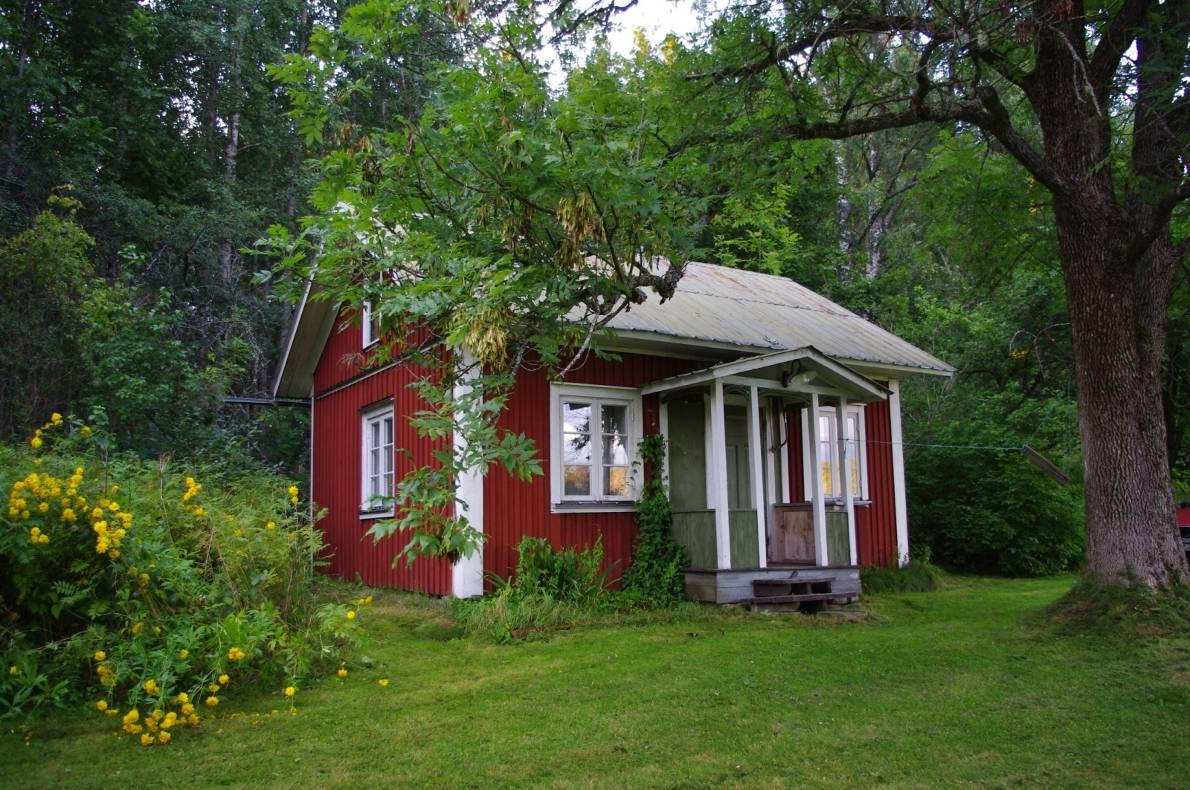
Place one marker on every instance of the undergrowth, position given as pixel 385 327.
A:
pixel 916 576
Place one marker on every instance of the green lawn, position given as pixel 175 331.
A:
pixel 954 687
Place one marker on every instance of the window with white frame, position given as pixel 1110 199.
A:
pixel 828 452
pixel 593 443
pixel 370 322
pixel 376 484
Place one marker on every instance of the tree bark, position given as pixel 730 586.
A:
pixel 1118 312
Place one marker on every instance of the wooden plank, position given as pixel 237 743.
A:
pixel 743 538
pixel 756 471
pixel 837 541
pixel 696 531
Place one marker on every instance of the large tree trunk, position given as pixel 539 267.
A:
pixel 1132 535
pixel 1118 302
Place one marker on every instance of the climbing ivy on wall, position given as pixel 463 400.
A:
pixel 657 559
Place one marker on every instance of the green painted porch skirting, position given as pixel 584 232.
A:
pixel 696 531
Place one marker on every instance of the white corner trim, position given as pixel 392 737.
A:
pixel 901 505
pixel 845 473
pixel 466 575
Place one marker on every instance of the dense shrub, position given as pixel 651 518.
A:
pixel 565 575
pixel 655 576
pixel 549 589
pixel 990 510
pixel 915 576
pixel 151 591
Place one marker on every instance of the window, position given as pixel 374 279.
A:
pixel 371 325
pixel 595 431
pixel 377 468
pixel 828 453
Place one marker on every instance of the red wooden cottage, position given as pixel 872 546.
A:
pixel 781 411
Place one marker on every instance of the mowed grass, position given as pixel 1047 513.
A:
pixel 960 686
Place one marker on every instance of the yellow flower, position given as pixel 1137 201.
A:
pixel 290 691
pixel 212 701
pixel 163 737
pixel 132 716
pixel 293 490
pixel 236 654
pixel 137 628
pixel 114 554
pixel 342 672
pixel 350 614
pixel 224 680
pixel 383 681
pixel 35 442
pixel 146 740
pixel 183 654
pixel 101 705
pixel 213 688
pixel 151 686
pixel 271 525
pixel 85 430
pixel 187 709
pixel 43 507
pixel 112 712
pixel 100 655
pixel 12 670
pixel 183 698
pixel 56 418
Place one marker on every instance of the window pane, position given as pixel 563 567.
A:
pixel 373 434
pixel 576 480
pixel 853 470
pixel 615 481
pixel 615 418
pixel 576 417
pixel 576 449
pixel 615 449
pixel 388 431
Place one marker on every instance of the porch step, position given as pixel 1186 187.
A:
pixel 806 602
pixel 793 585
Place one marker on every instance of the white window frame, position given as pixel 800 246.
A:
pixel 596 396
pixel 861 443
pixel 370 338
pixel 368 417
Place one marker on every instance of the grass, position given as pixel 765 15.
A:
pixel 961 686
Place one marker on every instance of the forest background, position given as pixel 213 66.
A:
pixel 145 148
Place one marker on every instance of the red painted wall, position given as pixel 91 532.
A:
pixel 513 509
pixel 337 438
pixel 793 450
pixel 876 524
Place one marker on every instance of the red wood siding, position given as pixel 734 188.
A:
pixel 793 448
pixel 513 508
pixel 876 524
pixel 337 437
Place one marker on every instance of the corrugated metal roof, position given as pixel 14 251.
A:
pixel 742 308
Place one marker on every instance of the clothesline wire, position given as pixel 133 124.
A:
pixel 989 447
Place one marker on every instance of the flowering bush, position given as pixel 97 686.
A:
pixel 139 588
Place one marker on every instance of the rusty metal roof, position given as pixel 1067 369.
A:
pixel 762 311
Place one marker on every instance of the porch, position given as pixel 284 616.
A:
pixel 731 476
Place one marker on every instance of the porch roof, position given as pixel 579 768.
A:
pixel 801 369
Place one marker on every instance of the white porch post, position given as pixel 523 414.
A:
pixel 900 505
pixel 756 476
pixel 814 477
pixel 717 467
pixel 845 476
pixel 466 576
